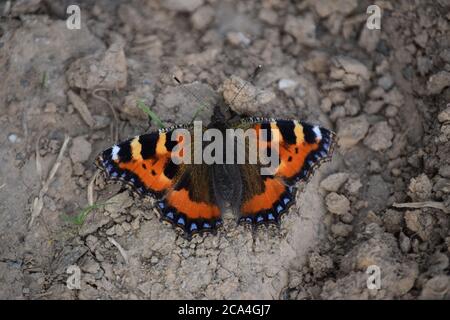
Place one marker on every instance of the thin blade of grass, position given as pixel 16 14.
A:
pixel 80 218
pixel 197 112
pixel 44 80
pixel 150 113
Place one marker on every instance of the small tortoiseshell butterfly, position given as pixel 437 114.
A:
pixel 192 197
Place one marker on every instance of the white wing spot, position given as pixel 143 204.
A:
pixel 316 130
pixel 115 152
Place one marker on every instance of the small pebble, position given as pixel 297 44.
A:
pixel 326 104
pixel 347 218
pixel 351 130
pixel 444 115
pixel 154 260
pixel 404 243
pixel 50 107
pixel 337 112
pixel 386 82
pixel 420 188
pixel 391 111
pixel 202 17
pixel 352 186
pixel 380 136
pixel 80 150
pixel 341 229
pixel 269 16
pixel 337 204
pixel 334 181
pixel 238 38
pixel 13 138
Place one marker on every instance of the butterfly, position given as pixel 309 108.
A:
pixel 193 196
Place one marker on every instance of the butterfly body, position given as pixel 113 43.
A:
pixel 193 196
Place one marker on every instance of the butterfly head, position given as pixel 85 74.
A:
pixel 223 115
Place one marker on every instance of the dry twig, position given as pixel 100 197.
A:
pixel 38 160
pixel 111 107
pixel 425 204
pixel 82 108
pixel 38 202
pixel 90 188
pixel 121 250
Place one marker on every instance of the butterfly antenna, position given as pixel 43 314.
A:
pixel 202 107
pixel 252 77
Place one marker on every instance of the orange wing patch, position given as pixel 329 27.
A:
pixel 191 204
pixel 180 200
pixel 292 158
pixel 143 162
pixel 300 146
pixel 191 216
pixel 273 189
pixel 150 172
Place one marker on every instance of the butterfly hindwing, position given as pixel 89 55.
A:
pixel 301 147
pixel 264 198
pixel 191 205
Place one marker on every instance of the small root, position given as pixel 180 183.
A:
pixel 425 204
pixel 118 246
pixel 38 202
pixel 90 189
pixel 82 108
pixel 38 160
pixel 115 134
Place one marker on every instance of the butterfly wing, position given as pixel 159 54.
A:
pixel 301 147
pixel 185 198
pixel 142 162
pixel 191 204
pixel 264 198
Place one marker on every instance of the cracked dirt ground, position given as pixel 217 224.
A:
pixel 383 200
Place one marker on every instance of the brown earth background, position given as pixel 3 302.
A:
pixel 384 199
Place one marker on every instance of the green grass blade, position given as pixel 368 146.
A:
pixel 80 218
pixel 150 113
pixel 197 112
pixel 44 80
